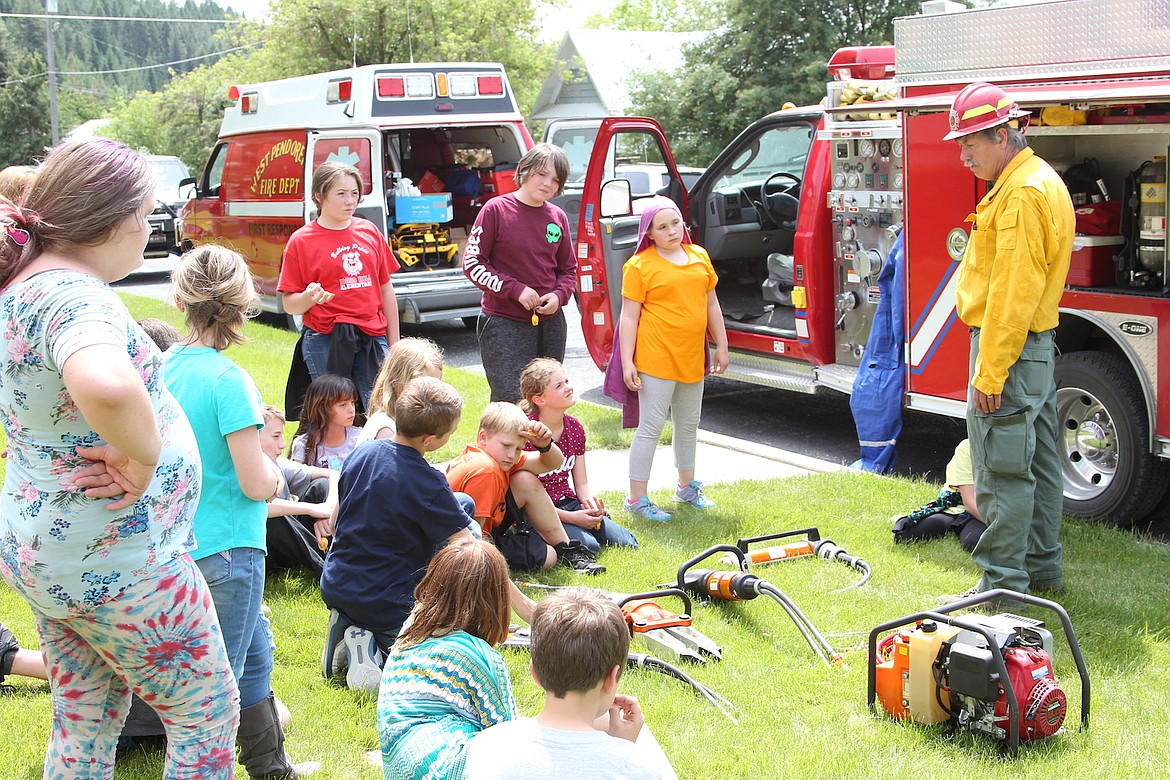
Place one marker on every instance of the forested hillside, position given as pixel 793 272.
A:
pixel 99 63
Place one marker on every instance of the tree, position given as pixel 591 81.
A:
pixel 308 36
pixel 766 53
pixel 660 16
pixel 24 106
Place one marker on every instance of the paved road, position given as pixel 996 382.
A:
pixel 820 426
pixel 817 426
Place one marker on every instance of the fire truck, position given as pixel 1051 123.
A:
pixel 799 214
pixel 453 129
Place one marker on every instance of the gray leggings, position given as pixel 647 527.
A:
pixel 658 400
pixel 507 346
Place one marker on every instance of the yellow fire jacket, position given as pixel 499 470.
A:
pixel 1013 272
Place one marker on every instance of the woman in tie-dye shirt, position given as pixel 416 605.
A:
pixel 102 477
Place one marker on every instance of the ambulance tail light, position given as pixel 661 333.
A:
pixel 339 91
pixel 249 102
pixel 490 85
pixel 870 63
pixel 391 87
pixel 441 84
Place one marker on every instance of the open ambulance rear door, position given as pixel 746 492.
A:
pixel 361 148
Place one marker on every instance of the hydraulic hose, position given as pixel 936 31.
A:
pixel 831 552
pixel 662 667
pixel 815 638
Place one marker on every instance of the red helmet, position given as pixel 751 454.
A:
pixel 980 106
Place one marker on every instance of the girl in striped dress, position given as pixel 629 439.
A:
pixel 444 682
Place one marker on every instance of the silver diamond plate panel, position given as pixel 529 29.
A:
pixel 1141 349
pixel 1070 38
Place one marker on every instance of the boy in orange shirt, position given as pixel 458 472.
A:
pixel 511 504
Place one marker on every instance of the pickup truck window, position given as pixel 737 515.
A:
pixel 777 150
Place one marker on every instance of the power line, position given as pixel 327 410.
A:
pixel 148 67
pixel 31 76
pixel 119 18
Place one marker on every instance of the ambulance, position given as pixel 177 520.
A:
pixel 452 129
pixel 800 213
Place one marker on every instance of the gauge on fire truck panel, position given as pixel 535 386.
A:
pixel 838 180
pixel 865 147
pixel 884 147
pixel 896 147
pixel 853 181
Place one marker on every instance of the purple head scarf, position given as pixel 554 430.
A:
pixel 653 206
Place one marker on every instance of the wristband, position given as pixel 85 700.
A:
pixel 543 449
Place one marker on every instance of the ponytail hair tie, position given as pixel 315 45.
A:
pixel 18 235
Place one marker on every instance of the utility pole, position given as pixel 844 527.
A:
pixel 51 8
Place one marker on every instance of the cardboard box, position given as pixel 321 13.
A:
pixel 1092 260
pixel 430 183
pixel 423 208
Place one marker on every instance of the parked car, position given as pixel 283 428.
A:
pixel 165 226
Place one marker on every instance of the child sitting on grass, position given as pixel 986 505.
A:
pixel 546 396
pixel 408 359
pixel 300 518
pixel 396 511
pixel 580 640
pixel 327 435
pixel 511 504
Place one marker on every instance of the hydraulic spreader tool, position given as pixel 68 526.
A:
pixel 742 585
pixel 811 544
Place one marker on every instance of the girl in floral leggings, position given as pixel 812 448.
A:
pixel 102 478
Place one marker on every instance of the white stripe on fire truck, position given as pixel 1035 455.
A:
pixel 940 312
pixel 293 208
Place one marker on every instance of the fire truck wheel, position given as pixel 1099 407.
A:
pixel 1109 473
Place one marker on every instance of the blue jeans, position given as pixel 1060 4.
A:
pixel 236 580
pixel 610 532
pixel 315 350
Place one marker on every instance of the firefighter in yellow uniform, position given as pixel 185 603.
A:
pixel 1010 283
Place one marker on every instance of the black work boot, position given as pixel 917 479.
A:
pixel 576 557
pixel 8 648
pixel 261 743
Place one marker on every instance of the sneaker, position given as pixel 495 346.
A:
pixel 647 509
pixel 335 655
pixel 365 660
pixel 577 557
pixel 693 494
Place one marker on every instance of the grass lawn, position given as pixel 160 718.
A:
pixel 797 717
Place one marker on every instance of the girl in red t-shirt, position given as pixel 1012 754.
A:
pixel 336 272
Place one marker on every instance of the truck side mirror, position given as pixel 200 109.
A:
pixel 187 188
pixel 616 200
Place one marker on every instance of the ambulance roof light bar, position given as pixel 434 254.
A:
pixel 871 63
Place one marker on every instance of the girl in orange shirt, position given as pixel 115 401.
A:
pixel 668 309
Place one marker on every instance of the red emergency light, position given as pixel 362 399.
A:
pixel 862 62
pixel 391 87
pixel 233 92
pixel 339 91
pixel 490 85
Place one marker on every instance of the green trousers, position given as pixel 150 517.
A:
pixel 1018 484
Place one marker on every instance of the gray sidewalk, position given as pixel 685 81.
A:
pixel 720 459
